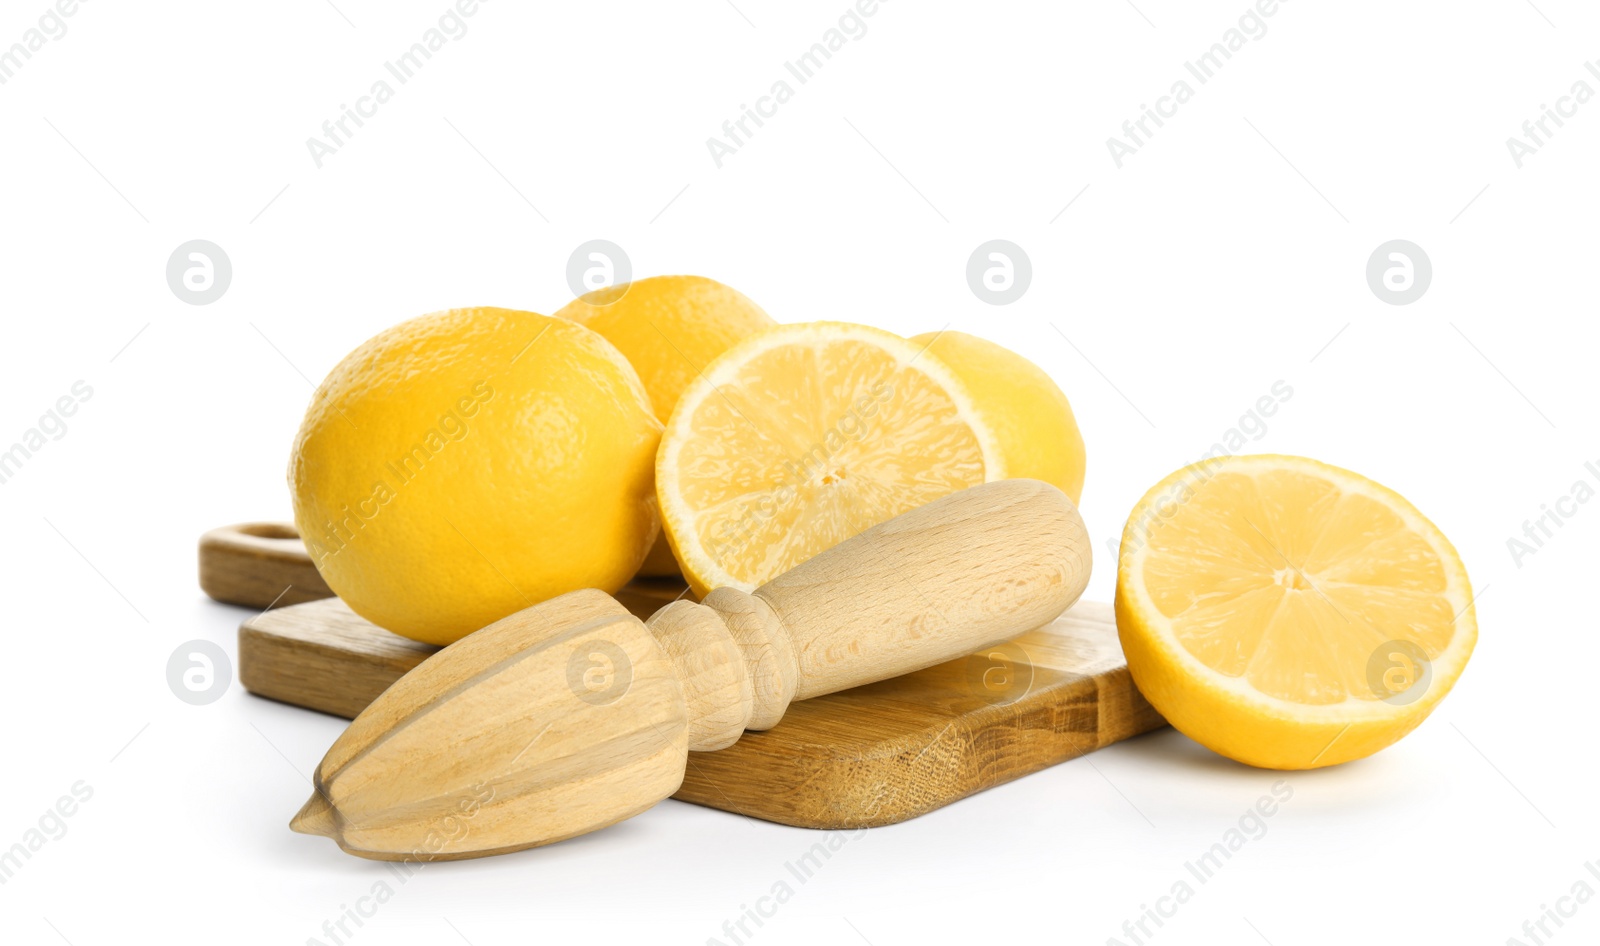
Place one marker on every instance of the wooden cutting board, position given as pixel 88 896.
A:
pixel 873 755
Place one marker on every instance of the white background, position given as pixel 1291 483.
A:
pixel 1227 254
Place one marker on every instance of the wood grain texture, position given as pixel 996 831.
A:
pixel 889 751
pixel 257 564
pixel 931 584
pixel 265 564
pixel 500 742
pixel 869 756
pixel 323 656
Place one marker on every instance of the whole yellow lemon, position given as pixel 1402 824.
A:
pixel 670 328
pixel 1030 415
pixel 471 463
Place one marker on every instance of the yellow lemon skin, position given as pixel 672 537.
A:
pixel 470 463
pixel 1332 563
pixel 669 328
pixel 1027 410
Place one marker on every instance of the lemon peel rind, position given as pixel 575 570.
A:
pixel 367 383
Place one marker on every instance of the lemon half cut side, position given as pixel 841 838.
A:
pixel 803 436
pixel 1290 614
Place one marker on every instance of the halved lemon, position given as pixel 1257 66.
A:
pixel 799 437
pixel 1289 614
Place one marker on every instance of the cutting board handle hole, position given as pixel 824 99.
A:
pixel 270 530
